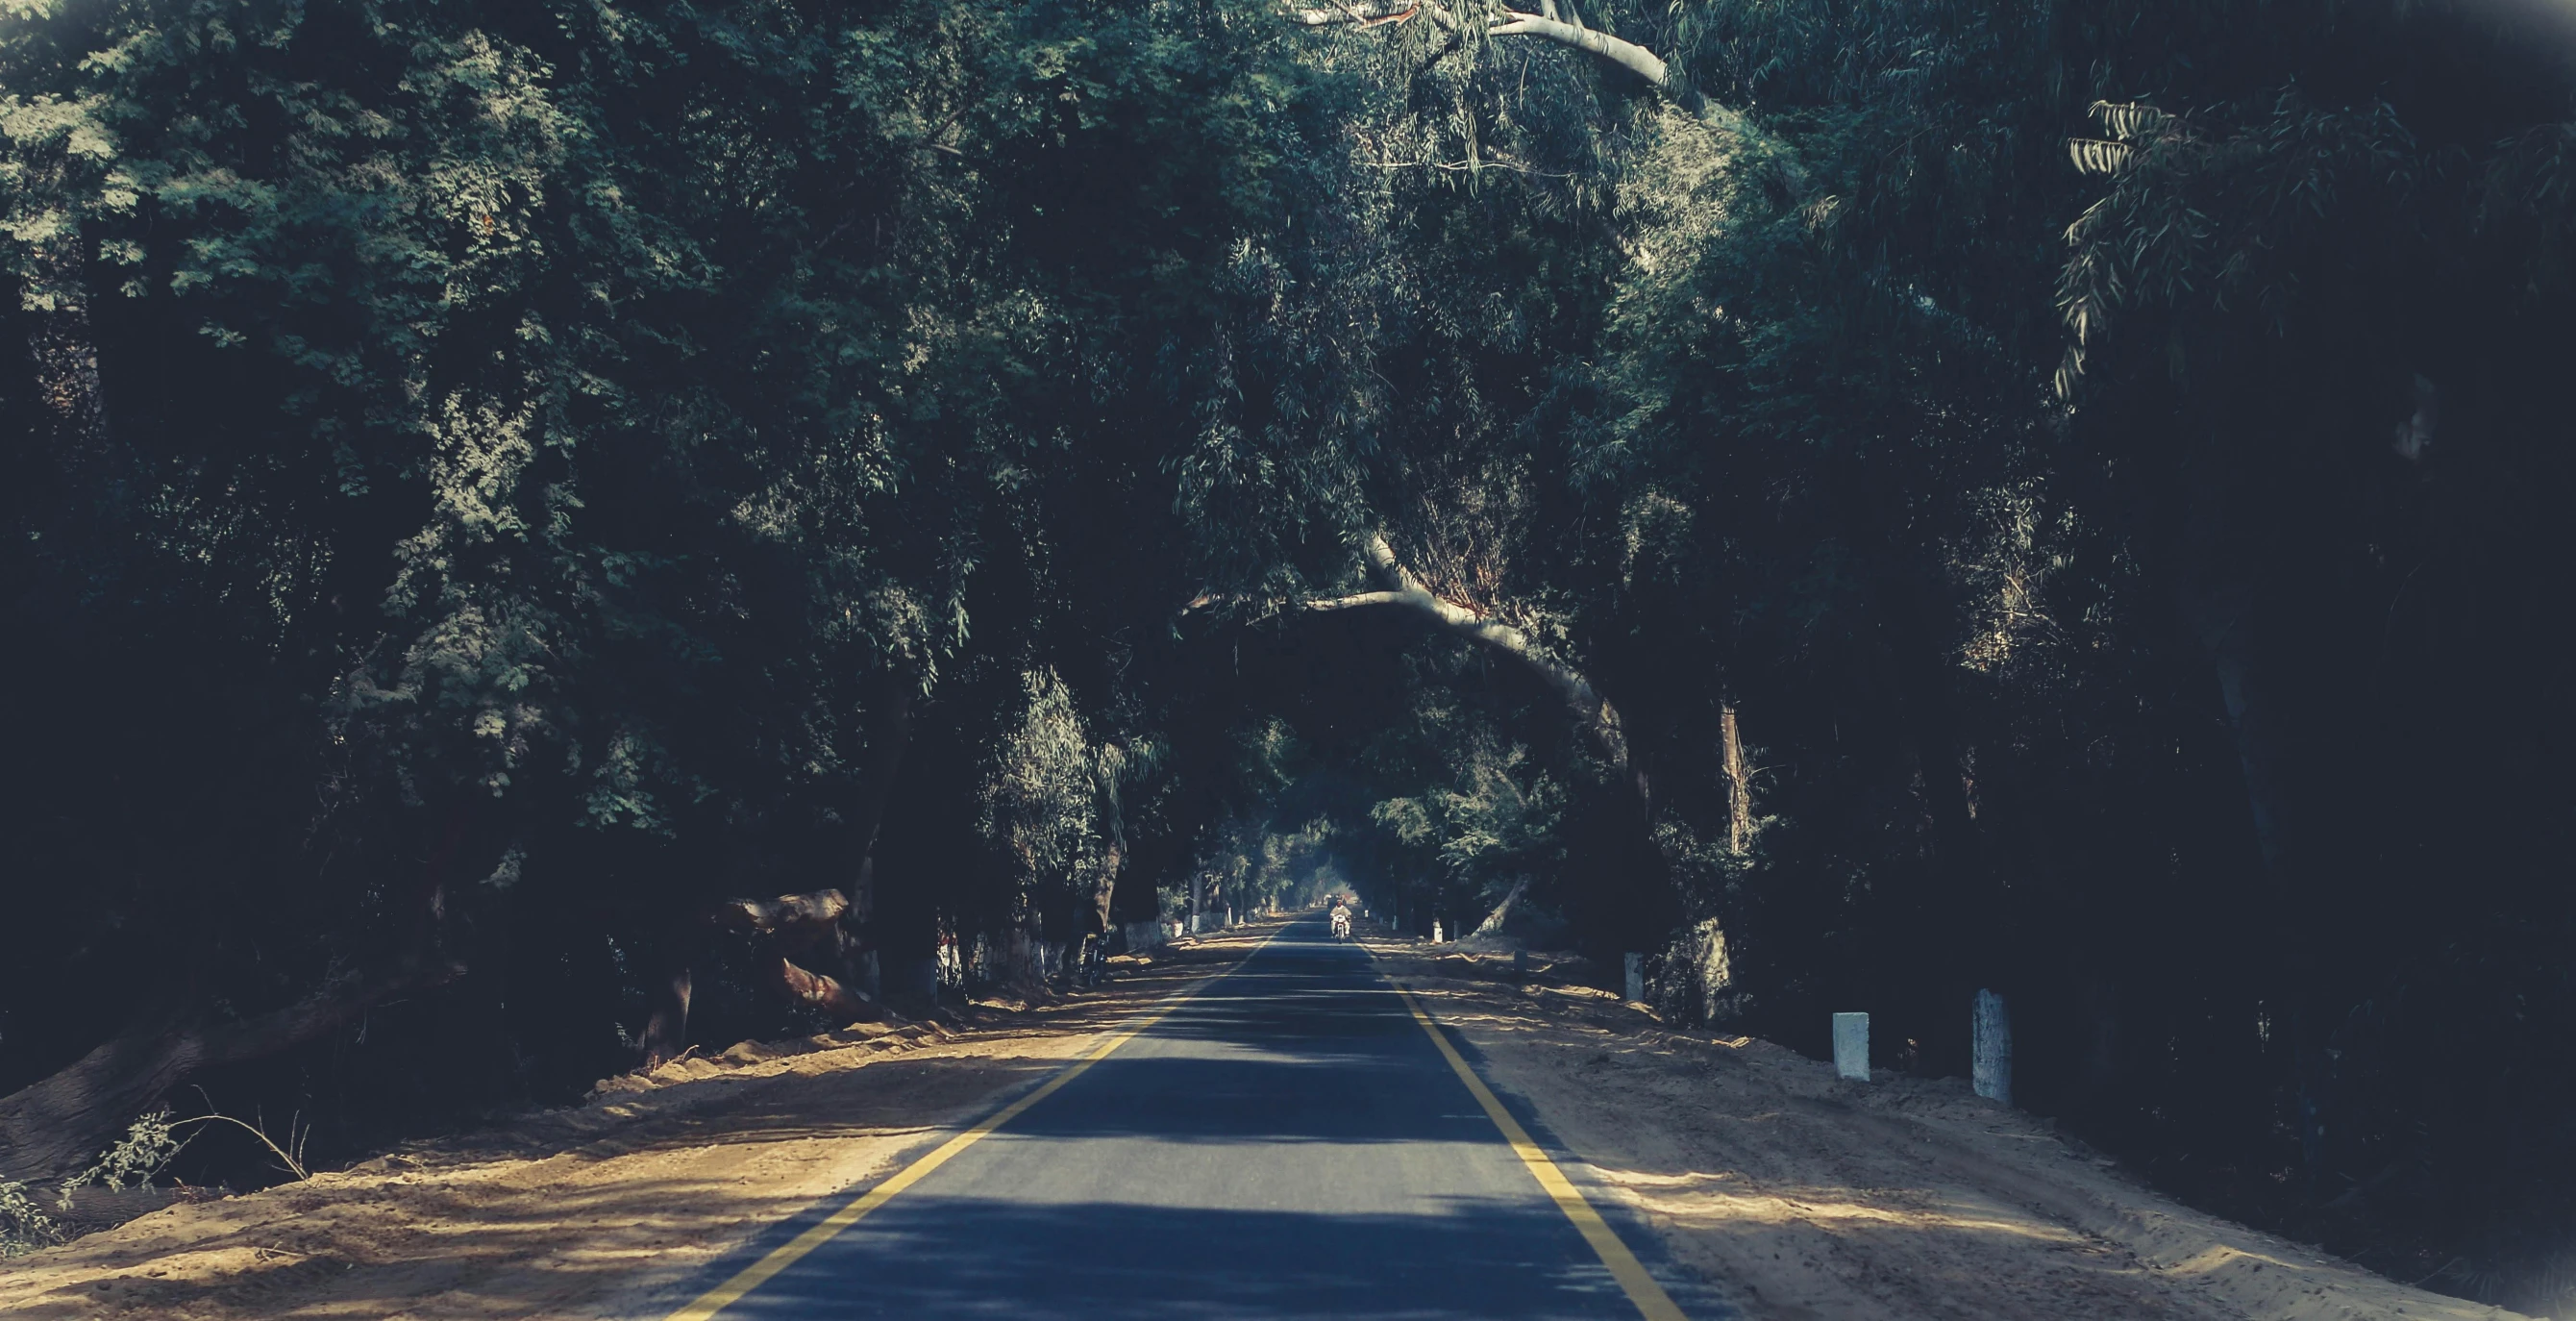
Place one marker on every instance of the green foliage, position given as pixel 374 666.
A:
pixel 1040 797
pixel 544 435
pixel 538 458
pixel 24 1227
pixel 147 1148
pixel 1494 822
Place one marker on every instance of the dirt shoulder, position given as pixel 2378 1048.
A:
pixel 581 1211
pixel 1807 1197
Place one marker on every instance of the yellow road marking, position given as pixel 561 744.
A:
pixel 859 1208
pixel 1652 1302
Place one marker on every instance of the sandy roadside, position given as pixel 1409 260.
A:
pixel 1806 1197
pixel 583 1211
pixel 1800 1195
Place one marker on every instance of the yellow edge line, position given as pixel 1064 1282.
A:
pixel 1651 1301
pixel 859 1208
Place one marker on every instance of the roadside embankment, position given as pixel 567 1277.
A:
pixel 1811 1198
pixel 566 1212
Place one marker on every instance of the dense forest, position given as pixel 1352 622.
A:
pixel 1862 500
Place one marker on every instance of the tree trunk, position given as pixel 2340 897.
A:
pixel 1097 916
pixel 1019 954
pixel 2218 616
pixel 666 1033
pixel 867 820
pixel 52 1129
pixel 1106 892
pixel 2218 589
pixel 1739 781
pixel 1502 912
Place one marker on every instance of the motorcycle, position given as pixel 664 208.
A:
pixel 1341 924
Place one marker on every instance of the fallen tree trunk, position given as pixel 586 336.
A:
pixel 51 1129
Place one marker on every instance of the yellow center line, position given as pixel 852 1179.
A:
pixel 1651 1301
pixel 859 1208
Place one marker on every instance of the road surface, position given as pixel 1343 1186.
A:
pixel 1288 1141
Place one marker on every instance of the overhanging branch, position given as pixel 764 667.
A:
pixel 1547 26
pixel 1594 717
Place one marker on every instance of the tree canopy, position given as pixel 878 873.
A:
pixel 1863 501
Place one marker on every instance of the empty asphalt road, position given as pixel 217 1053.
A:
pixel 1288 1141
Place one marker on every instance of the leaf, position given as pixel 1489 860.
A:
pixel 2128 120
pixel 2097 156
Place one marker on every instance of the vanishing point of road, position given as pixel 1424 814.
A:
pixel 1292 1138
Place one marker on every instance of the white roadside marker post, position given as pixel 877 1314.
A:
pixel 1851 1046
pixel 1990 1059
pixel 1636 978
pixel 1435 931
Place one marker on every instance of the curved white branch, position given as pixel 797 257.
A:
pixel 1626 54
pixel 1357 600
pixel 1355 17
pixel 1593 714
pixel 1547 26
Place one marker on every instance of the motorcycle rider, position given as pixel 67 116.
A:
pixel 1341 917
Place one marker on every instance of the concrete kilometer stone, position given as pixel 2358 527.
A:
pixel 1851 1046
pixel 1990 1052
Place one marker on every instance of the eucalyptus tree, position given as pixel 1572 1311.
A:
pixel 498 493
pixel 1966 645
pixel 563 442
pixel 2310 302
